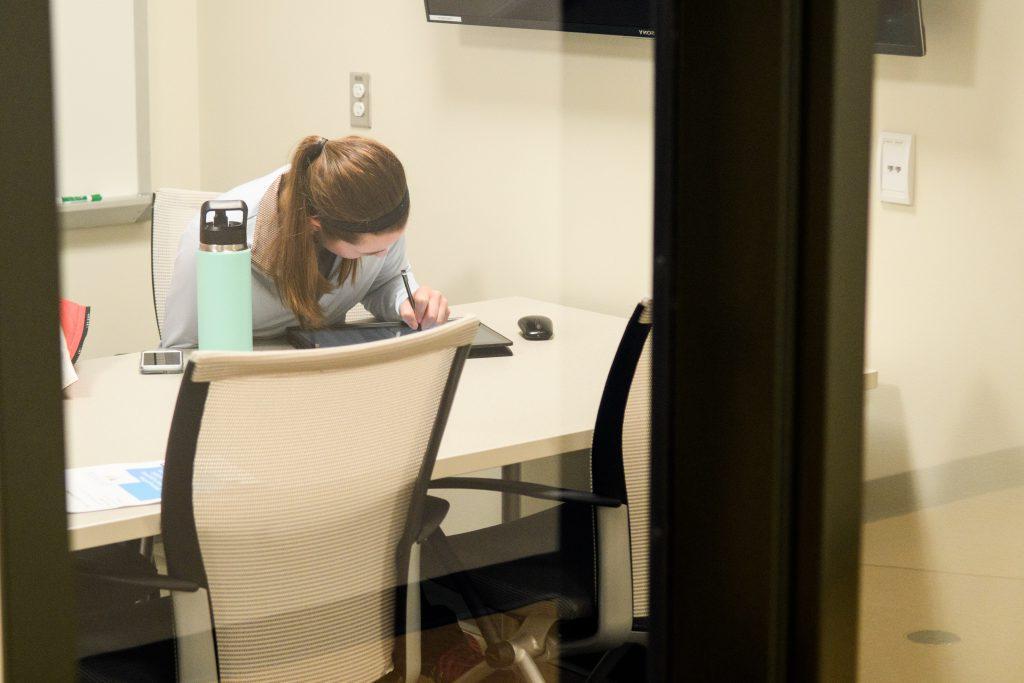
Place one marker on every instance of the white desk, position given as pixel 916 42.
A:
pixel 539 402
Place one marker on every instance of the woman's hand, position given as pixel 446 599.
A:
pixel 431 308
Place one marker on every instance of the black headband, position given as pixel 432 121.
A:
pixel 388 220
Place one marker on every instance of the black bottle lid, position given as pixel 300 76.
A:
pixel 221 230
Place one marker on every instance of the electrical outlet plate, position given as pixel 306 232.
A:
pixel 359 106
pixel 896 168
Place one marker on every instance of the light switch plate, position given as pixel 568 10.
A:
pixel 359 106
pixel 896 168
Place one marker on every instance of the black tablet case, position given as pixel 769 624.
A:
pixel 487 343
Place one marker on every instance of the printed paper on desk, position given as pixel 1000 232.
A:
pixel 106 487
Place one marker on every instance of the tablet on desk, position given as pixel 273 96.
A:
pixel 487 342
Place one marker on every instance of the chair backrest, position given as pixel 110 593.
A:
pixel 621 451
pixel 172 211
pixel 293 487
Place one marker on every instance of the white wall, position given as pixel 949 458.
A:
pixel 946 276
pixel 529 153
pixel 107 268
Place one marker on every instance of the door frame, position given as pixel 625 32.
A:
pixel 36 596
pixel 762 139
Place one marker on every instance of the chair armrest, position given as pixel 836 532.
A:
pixel 157 581
pixel 527 489
pixel 434 512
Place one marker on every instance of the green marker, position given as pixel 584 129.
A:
pixel 81 198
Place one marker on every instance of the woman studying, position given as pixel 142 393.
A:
pixel 327 233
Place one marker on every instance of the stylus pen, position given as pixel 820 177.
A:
pixel 408 291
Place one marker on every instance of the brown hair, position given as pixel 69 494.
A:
pixel 349 185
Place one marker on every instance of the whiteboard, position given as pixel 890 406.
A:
pixel 100 87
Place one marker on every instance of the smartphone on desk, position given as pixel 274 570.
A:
pixel 160 362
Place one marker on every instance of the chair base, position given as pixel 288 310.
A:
pixel 515 567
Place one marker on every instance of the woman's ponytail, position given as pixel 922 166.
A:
pixel 295 270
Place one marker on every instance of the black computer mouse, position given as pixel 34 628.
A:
pixel 535 327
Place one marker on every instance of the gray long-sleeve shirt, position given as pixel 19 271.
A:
pixel 377 284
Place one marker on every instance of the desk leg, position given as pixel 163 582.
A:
pixel 511 504
pixel 146 548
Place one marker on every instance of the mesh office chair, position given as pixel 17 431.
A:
pixel 586 560
pixel 172 211
pixel 294 505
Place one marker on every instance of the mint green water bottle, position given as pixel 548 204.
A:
pixel 224 279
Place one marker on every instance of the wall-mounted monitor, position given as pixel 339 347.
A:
pixel 900 23
pixel 616 17
pixel 900 28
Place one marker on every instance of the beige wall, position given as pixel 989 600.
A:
pixel 107 268
pixel 529 153
pixel 174 92
pixel 946 322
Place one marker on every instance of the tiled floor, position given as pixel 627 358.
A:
pixel 957 568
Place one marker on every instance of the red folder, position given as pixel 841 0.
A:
pixel 74 320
